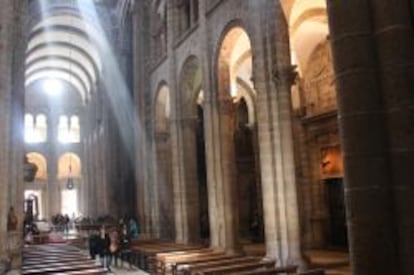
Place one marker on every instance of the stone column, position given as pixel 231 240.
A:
pixel 83 188
pixel 189 187
pixel 177 173
pixel 12 44
pixel 5 128
pixel 394 39
pixel 210 131
pixel 141 88
pixel 372 218
pixel 162 163
pixel 272 74
pixel 226 113
pixel 53 186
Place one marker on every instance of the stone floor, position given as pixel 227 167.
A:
pixel 125 269
pixel 121 268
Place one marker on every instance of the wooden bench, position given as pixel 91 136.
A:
pixel 42 269
pixel 145 254
pixel 192 268
pixel 92 271
pixel 237 268
pixel 270 271
pixel 318 271
pixel 166 263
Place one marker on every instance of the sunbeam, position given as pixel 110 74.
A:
pixel 114 83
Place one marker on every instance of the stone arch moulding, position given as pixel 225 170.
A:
pixel 67 160
pixel 236 25
pixel 190 83
pixel 40 161
pixel 161 107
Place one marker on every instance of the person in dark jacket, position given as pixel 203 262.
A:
pixel 94 244
pixel 103 247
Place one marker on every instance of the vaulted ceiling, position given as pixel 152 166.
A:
pixel 63 45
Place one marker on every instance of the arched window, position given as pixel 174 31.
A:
pixel 63 130
pixel 35 130
pixel 74 129
pixel 29 135
pixel 41 127
pixel 69 129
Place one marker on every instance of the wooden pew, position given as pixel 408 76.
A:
pixel 270 271
pixel 193 267
pixel 92 271
pixel 165 263
pixel 145 254
pixel 318 271
pixel 237 268
pixel 211 259
pixel 42 269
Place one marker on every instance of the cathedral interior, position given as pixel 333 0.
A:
pixel 284 127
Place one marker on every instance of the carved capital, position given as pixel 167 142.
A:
pixel 286 74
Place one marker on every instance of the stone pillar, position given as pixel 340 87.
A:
pixel 189 187
pixel 372 48
pixel 177 173
pixel 211 122
pixel 272 74
pixel 12 46
pixel 226 113
pixel 83 188
pixel 162 169
pixel 141 42
pixel 394 41
pixel 53 186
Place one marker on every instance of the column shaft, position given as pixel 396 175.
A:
pixel 364 139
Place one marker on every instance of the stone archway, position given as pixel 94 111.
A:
pixel 190 171
pixel 163 163
pixel 236 99
pixel 69 177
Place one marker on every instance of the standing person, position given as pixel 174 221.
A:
pixel 66 221
pixel 94 244
pixel 124 243
pixel 103 247
pixel 133 229
pixel 113 246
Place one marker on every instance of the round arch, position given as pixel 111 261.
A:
pixel 40 161
pixel 162 108
pixel 308 28
pixel 233 60
pixel 190 82
pixel 69 164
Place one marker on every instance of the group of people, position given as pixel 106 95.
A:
pixel 113 243
pixel 62 222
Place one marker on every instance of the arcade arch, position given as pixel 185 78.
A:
pixel 238 118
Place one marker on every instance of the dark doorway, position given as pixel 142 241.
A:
pixel 202 178
pixel 248 178
pixel 337 216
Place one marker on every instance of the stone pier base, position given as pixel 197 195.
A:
pixel 14 242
